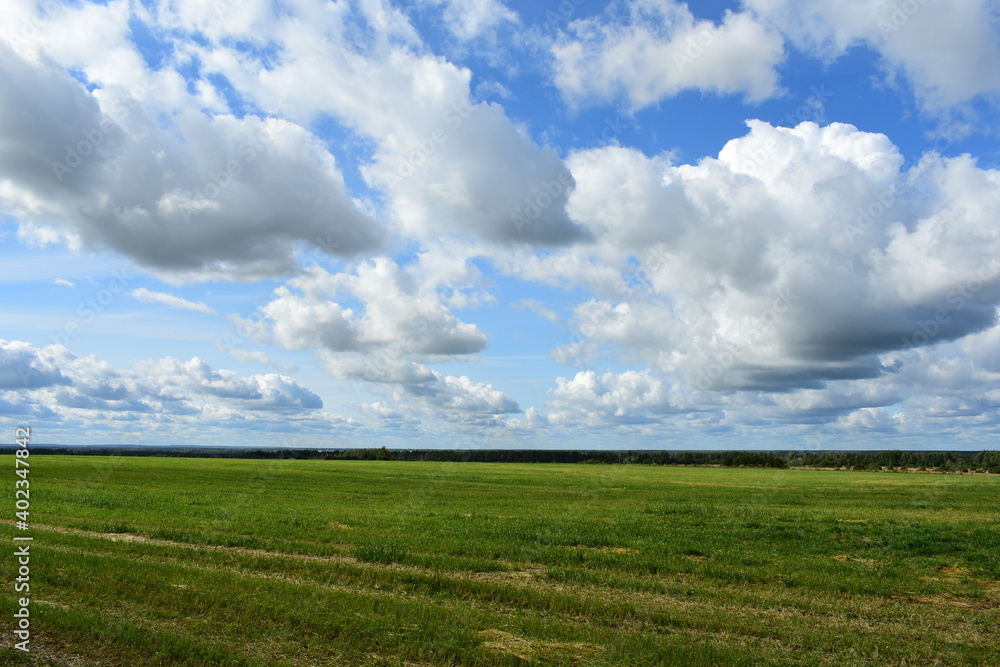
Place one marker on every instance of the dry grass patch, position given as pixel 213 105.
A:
pixel 606 550
pixel 531 650
pixel 844 558
pixel 510 576
pixel 59 652
pixel 956 601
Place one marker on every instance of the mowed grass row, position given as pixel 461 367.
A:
pixel 167 561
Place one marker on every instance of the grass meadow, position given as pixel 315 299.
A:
pixel 174 561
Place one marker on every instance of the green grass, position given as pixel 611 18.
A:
pixel 236 562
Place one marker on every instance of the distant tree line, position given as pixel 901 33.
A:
pixel 985 461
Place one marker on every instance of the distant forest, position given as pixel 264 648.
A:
pixel 888 460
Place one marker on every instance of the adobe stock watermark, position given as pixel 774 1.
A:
pixel 589 322
pixel 653 261
pixel 386 360
pixel 22 555
pixel 93 138
pixel 821 437
pixel 424 149
pixel 897 15
pixel 246 328
pixel 946 137
pixel 219 180
pixel 724 361
pixel 321 247
pixel 812 109
pixel 86 312
pixel 223 7
pixel 550 191
pixel 698 43
pixel 868 215
pixel 541 198
pixel 29 28
pixel 383 363
pixel 749 167
pixel 562 13
pixel 104 467
pixel 957 299
pixel 88 309
pixel 695 46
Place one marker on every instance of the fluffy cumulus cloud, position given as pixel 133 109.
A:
pixel 447 166
pixel 948 51
pixel 423 393
pixel 22 366
pixel 139 169
pixel 840 266
pixel 469 173
pixel 65 387
pixel 611 398
pixel 178 379
pixel 457 399
pixel 650 50
pixel 399 322
pixel 396 313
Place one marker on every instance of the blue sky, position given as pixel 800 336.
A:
pixel 477 223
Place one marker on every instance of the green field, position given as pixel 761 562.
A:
pixel 169 561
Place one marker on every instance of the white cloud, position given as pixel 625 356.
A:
pixel 214 195
pixel 398 313
pixel 400 322
pixel 205 196
pixel 465 396
pixel 538 308
pixel 471 174
pixel 251 19
pixel 417 390
pixel 22 366
pixel 389 365
pixel 658 49
pixel 248 356
pixel 446 167
pixel 255 392
pixel 612 398
pixel 146 296
pixel 495 89
pixel 70 387
pixel 391 417
pixel 469 19
pixel 786 281
pixel 949 52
